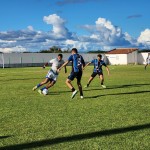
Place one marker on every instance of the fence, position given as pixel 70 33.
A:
pixel 35 59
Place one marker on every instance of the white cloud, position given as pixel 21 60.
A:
pixel 103 35
pixel 59 29
pixel 13 49
pixel 145 37
pixel 30 28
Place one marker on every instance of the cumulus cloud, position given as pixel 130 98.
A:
pixel 13 49
pixel 59 29
pixel 106 33
pixel 144 38
pixel 102 35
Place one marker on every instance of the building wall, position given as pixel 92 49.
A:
pixel 142 58
pixel 36 59
pixel 117 59
pixel 132 58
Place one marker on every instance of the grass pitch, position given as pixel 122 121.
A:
pixel 116 118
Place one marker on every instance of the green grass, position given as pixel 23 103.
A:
pixel 116 118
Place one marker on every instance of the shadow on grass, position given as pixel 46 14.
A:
pixel 78 137
pixel 21 79
pixel 136 92
pixel 4 137
pixel 126 86
pixel 119 86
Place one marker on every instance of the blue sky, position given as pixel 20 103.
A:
pixel 33 25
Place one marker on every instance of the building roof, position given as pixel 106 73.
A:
pixel 122 51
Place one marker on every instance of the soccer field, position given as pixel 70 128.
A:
pixel 116 118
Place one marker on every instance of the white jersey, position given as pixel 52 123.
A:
pixel 56 64
pixel 148 60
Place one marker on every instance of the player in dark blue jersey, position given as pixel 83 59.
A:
pixel 98 63
pixel 77 66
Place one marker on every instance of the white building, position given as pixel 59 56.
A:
pixel 122 56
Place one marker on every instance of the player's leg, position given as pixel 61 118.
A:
pixel 52 81
pixel 79 76
pixel 50 84
pixel 101 76
pixel 90 79
pixel 69 84
pixel 146 66
pixel 40 84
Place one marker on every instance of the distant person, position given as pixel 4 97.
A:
pixel 147 61
pixel 77 66
pixel 52 74
pixel 98 63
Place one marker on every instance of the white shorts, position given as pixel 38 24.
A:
pixel 52 76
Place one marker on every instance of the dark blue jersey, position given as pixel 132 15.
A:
pixel 98 65
pixel 77 62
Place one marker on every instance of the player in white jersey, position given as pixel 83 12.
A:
pixel 52 74
pixel 147 60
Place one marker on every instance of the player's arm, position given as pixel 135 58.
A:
pixel 46 64
pixel 86 65
pixel 65 69
pixel 108 71
pixel 83 62
pixel 63 65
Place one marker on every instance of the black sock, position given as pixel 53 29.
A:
pixel 81 93
pixel 73 89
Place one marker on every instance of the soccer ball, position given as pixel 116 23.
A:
pixel 45 91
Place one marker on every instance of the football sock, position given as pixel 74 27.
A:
pixel 38 85
pixel 73 89
pixel 43 88
pixel 81 93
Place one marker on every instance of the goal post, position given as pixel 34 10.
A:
pixel 2 60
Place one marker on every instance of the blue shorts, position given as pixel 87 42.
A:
pixel 96 73
pixel 77 75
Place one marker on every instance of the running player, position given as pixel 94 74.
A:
pixel 52 74
pixel 98 63
pixel 77 66
pixel 147 61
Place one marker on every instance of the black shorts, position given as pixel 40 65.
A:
pixel 96 73
pixel 77 75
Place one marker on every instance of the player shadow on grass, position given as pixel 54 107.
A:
pixel 5 136
pixel 77 137
pixel 17 79
pixel 118 86
pixel 136 92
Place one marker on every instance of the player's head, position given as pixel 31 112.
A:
pixel 59 57
pixel 99 56
pixel 74 51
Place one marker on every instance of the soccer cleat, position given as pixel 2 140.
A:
pixel 81 97
pixel 74 94
pixel 40 91
pixel 103 86
pixel 86 86
pixel 34 88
